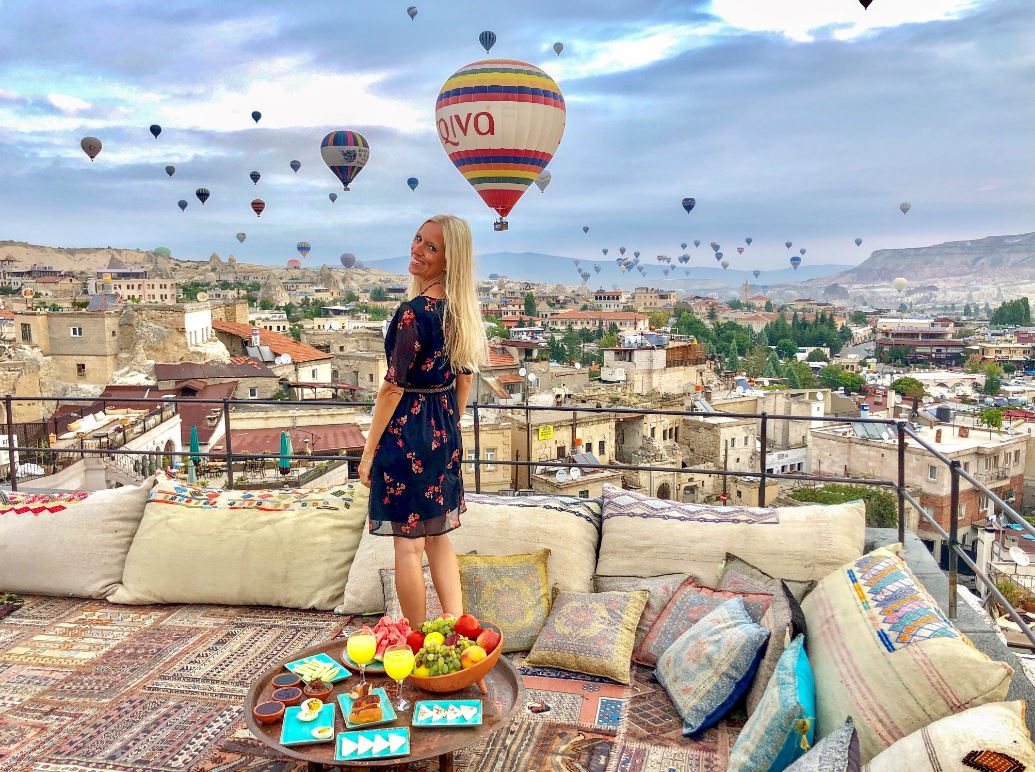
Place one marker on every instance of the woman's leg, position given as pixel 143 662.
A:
pixel 445 573
pixel 409 579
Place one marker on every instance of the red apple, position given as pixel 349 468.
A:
pixel 488 640
pixel 467 626
pixel 415 640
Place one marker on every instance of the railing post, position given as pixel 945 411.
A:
pixel 528 448
pixel 12 464
pixel 901 482
pixel 477 451
pixel 226 441
pixel 762 461
pixel 954 508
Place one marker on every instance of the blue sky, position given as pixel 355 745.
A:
pixel 807 120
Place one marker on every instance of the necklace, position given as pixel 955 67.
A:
pixel 432 284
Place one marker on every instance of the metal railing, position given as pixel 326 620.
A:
pixel 901 430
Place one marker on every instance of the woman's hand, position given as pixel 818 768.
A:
pixel 364 471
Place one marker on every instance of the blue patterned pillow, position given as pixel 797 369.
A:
pixel 783 725
pixel 711 665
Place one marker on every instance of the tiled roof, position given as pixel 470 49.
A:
pixel 7 315
pixel 322 438
pixel 598 315
pixel 500 358
pixel 278 344
pixel 238 367
pixel 508 378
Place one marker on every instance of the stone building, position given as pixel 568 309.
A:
pixel 672 369
pixel 552 434
pixel 83 345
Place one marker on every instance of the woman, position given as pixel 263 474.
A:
pixel 411 460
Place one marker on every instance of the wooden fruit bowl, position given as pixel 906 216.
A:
pixel 461 679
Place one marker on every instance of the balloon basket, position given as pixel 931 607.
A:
pixel 501 225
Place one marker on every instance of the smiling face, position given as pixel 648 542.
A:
pixel 428 253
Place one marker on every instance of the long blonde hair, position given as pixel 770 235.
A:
pixel 466 345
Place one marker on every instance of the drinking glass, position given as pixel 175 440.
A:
pixel 361 647
pixel 398 662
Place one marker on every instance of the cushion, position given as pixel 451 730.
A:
pixel 433 607
pixel 711 665
pixel 991 737
pixel 71 544
pixel 591 633
pixel 782 727
pixel 884 653
pixel 797 543
pixel 837 752
pixel 689 604
pixel 512 592
pixel 290 548
pixel 784 619
pixel 661 589
pixel 498 525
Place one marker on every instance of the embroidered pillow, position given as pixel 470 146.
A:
pixel 837 752
pixel 782 727
pixel 689 604
pixel 512 592
pixel 711 665
pixel 590 633
pixel 661 589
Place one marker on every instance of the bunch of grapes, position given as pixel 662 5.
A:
pixel 440 659
pixel 444 626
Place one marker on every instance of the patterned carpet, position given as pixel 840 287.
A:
pixel 86 685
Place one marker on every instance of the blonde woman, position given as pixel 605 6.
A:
pixel 412 458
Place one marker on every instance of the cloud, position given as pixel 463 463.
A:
pixel 69 105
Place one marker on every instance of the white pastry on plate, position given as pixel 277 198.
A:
pixel 365 744
pixel 468 711
pixel 424 713
pixel 380 744
pixel 396 741
pixel 438 713
pixel 453 713
pixel 348 747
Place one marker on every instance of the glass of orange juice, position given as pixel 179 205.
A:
pixel 361 647
pixel 398 666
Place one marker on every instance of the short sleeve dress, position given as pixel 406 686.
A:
pixel 416 481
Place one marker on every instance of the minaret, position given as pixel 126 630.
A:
pixel 746 291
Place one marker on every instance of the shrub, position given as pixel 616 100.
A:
pixel 881 506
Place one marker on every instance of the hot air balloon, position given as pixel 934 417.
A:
pixel 500 122
pixel 256 115
pixel 543 180
pixel 666 271
pixel 865 4
pixel 487 39
pixel 412 12
pixel 621 250
pixel 294 262
pixel 604 250
pixel 718 255
pixel 558 47
pixel 636 255
pixel 182 203
pixel 170 170
pixel 795 262
pixel 91 146
pixel 802 251
pixel 242 236
pixel 255 177
pixel 303 248
pixel 756 273
pixel 740 250
pixel 684 259
pixel 345 152
pixel 697 242
pixel 686 271
pixel 748 241
pixel 577 262
pixel 682 245
pixel 163 251
pixel 202 194
pixel 155 130
pixel 689 204
pixel 900 283
pixel 295 166
pixel 348 259
pixel 858 242
pixel 413 182
pixel 905 206
pixel 788 244
pixel 596 268
pixel 585 229
pixel 725 264
pixel 258 205
pixel 714 245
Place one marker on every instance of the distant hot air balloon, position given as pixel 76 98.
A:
pixel 256 115
pixel 255 177
pixel 621 250
pixel 543 180
pixel 748 240
pixel 865 4
pixel 788 244
pixel 163 251
pixel 294 262
pixel 689 204
pixel 558 47
pixel 182 203
pixel 242 236
pixel 413 182
pixel 202 194
pixel 802 251
pixel 487 39
pixel 795 262
pixel 900 283
pixel 604 250
pixel 500 122
pixel 740 250
pixel 585 229
pixel 170 170
pixel 725 264
pixel 682 245
pixel 333 197
pixel 412 12
pixel 666 271
pixel 348 259
pixel 686 271
pixel 91 146
pixel 303 248
pixel 345 152
pixel 718 255
pixel 155 130
pixel 636 255
pixel 756 273
pixel 905 206
pixel 858 242
pixel 715 246
pixel 596 268
pixel 295 166
pixel 697 242
pixel 258 205
pixel 577 262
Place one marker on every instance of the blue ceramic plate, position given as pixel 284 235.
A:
pixel 342 672
pixel 374 667
pixel 387 711
pixel 422 718
pixel 372 744
pixel 296 732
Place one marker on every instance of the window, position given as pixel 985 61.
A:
pixel 600 448
pixel 26 333
pixel 253 392
pixel 961 511
pixel 80 369
pixel 75 332
pixel 371 377
pixel 652 432
pixel 932 472
pixel 584 494
pixel 469 455
pixel 560 452
pixel 313 374
pixel 341 349
pixel 966 466
pixel 1016 457
pixel 490 455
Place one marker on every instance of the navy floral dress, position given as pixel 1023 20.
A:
pixel 416 482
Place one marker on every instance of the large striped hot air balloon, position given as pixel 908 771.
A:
pixel 500 122
pixel 345 152
pixel 303 248
pixel 258 205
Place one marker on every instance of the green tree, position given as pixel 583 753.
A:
pixel 496 328
pixel 530 309
pixel 586 335
pixel 351 297
pixel 858 318
pixel 991 417
pixel 712 314
pixel 786 348
pixel 733 358
pixel 378 294
pixel 772 366
pixel 769 305
pixel 658 319
pixel 817 355
pixel 966 311
pixel 754 361
pixel 572 346
pixel 1009 368
pixel 689 324
pixel 852 383
pixel 908 388
pixel 266 305
pixel 974 364
pixel 993 378
pixel 1016 313
pixel 830 376
pixel 295 331
pixel 799 375
pixel 608 341
pixel 881 507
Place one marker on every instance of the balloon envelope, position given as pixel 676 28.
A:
pixel 596 268
pixel 748 241
pixel 345 152
pixel 182 203
pixel 294 262
pixel 500 121
pixel 242 236
pixel 155 130
pixel 802 251
pixel 487 39
pixel 795 262
pixel 256 115
pixel 900 283
pixel 412 12
pixel 636 254
pixel 756 273
pixel 725 264
pixel 413 182
pixel 558 47
pixel 740 250
pixel 604 250
pixel 258 205
pixel 689 204
pixel 682 245
pixel 295 166
pixel 333 197
pixel 170 170
pixel 905 206
pixel 543 180
pixel 621 250
pixel 858 242
pixel 788 244
pixel 585 229
pixel 202 194
pixel 303 248
pixel 91 146
pixel 255 176
pixel 697 242
pixel 348 259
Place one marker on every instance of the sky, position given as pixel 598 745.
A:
pixel 801 120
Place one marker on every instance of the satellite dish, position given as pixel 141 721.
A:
pixel 561 476
pixel 286 359
pixel 575 473
pixel 578 365
pixel 202 297
pixel 1019 556
pixel 522 372
pixel 532 377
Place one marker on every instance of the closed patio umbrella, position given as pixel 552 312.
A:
pixel 192 477
pixel 195 445
pixel 284 463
